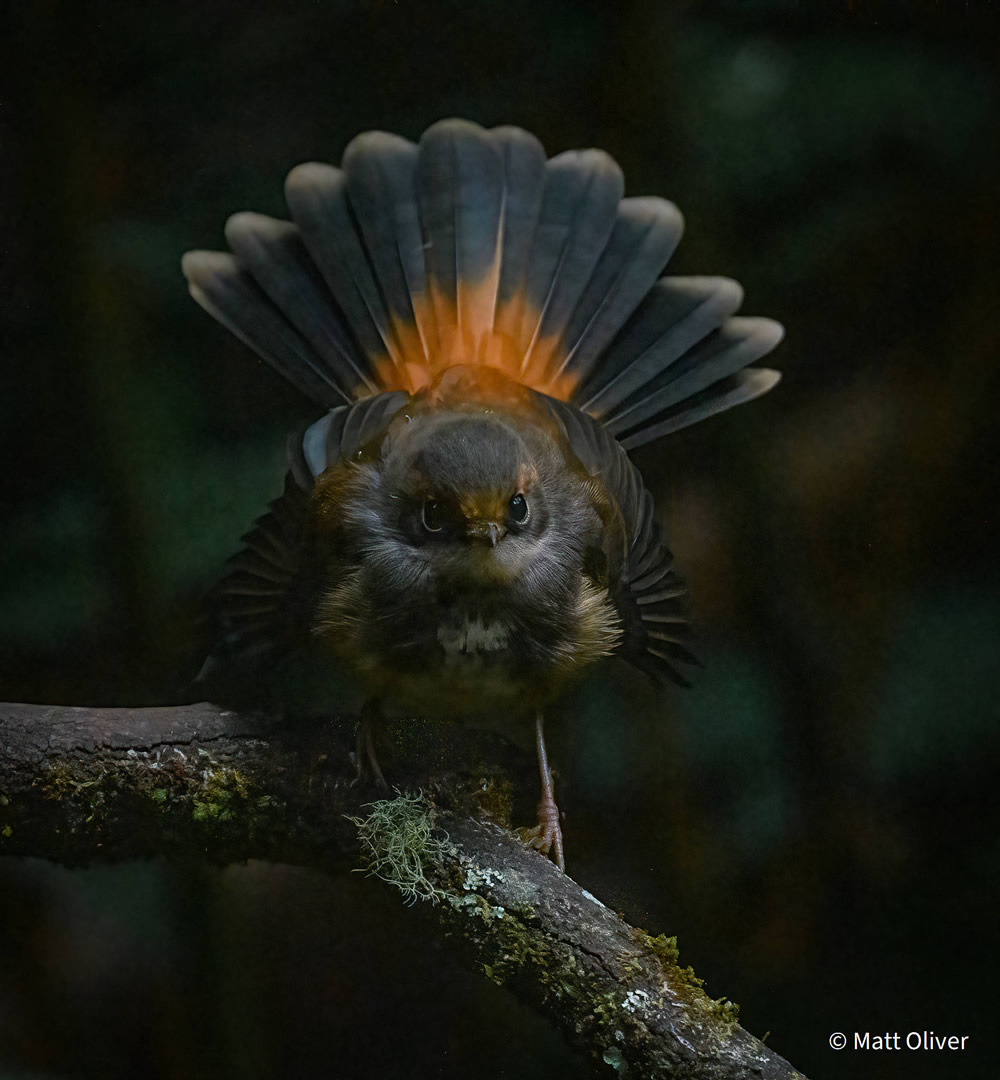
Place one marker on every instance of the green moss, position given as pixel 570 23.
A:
pixel 400 846
pixel 607 1007
pixel 6 832
pixel 216 798
pixel 727 1011
pixel 513 948
pixel 664 947
pixel 684 979
pixel 60 780
pixel 220 796
pixel 212 811
pixel 496 798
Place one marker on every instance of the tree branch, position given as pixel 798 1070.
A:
pixel 79 785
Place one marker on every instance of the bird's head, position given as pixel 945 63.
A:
pixel 469 531
pixel 469 506
pixel 471 494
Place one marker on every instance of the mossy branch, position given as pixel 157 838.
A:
pixel 79 785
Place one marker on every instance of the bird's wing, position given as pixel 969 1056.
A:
pixel 647 594
pixel 264 605
pixel 471 248
pixel 260 606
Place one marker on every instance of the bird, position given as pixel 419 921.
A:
pixel 487 333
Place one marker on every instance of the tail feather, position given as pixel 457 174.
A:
pixel 645 234
pixel 277 258
pixel 461 184
pixel 470 248
pixel 381 176
pixel 233 296
pixel 317 198
pixel 725 394
pixel 726 351
pixel 524 182
pixel 676 314
pixel 644 579
pixel 583 189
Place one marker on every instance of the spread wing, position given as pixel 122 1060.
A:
pixel 265 604
pixel 647 593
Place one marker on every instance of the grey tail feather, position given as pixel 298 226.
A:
pixel 380 171
pixel 645 234
pixel 317 197
pixel 524 181
pixel 679 359
pixel 461 189
pixel 414 257
pixel 230 292
pixel 580 200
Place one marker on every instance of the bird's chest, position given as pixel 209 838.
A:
pixel 459 649
pixel 461 662
pixel 473 639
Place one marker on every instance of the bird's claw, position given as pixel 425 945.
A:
pixel 546 836
pixel 364 758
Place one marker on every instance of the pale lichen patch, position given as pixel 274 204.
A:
pixel 636 1001
pixel 616 1059
pixel 397 839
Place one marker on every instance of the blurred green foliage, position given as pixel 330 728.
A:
pixel 932 711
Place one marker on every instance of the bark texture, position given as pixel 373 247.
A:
pixel 79 785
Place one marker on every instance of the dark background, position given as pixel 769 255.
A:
pixel 816 819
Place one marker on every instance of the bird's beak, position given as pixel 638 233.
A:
pixel 490 531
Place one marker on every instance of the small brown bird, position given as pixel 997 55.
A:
pixel 489 333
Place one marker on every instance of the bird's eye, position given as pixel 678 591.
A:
pixel 519 509
pixel 431 516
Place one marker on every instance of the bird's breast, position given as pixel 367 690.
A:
pixel 457 650
pixel 470 662
pixel 472 636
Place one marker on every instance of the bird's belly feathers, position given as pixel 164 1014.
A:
pixel 473 640
pixel 460 685
pixel 469 664
pixel 474 663
pixel 467 658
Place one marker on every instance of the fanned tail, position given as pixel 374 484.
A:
pixel 470 248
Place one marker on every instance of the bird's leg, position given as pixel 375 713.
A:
pixel 546 836
pixel 368 729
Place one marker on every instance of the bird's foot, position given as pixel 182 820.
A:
pixel 546 836
pixel 365 758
